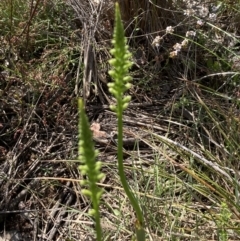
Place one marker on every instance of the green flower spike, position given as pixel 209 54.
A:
pixel 121 65
pixel 120 73
pixel 89 167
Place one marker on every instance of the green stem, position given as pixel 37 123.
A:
pixel 95 204
pixel 126 187
pixel 98 225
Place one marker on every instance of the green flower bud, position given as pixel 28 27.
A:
pixel 87 192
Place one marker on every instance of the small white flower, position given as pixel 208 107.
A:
pixel 15 57
pixel 212 16
pixel 200 22
pixel 177 47
pixel 156 41
pixel 190 34
pixel 203 12
pixel 169 29
pixel 184 43
pixel 173 54
pixel 6 63
pixel 97 2
pixel 189 12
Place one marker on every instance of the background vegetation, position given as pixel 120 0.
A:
pixel 181 130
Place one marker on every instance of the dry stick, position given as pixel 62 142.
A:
pixel 204 160
pixel 54 212
pixel 60 215
pixel 32 11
